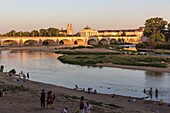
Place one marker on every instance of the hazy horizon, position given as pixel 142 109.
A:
pixel 27 15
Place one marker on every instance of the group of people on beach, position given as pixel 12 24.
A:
pixel 85 107
pixel 50 99
pixel 89 90
pixel 150 92
pixel 24 76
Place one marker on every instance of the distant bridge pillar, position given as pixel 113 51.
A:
pixel 57 41
pixel 72 41
pixel 40 42
pixel 20 42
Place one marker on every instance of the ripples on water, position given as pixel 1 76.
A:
pixel 45 67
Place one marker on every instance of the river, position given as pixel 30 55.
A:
pixel 45 67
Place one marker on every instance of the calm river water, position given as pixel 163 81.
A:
pixel 45 67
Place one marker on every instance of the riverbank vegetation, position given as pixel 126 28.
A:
pixel 133 60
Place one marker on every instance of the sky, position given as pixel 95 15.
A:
pixel 27 15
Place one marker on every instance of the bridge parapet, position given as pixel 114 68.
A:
pixel 21 41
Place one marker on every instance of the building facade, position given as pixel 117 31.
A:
pixel 88 32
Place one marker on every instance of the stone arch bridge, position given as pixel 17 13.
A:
pixel 82 41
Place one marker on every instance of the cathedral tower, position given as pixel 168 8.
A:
pixel 69 29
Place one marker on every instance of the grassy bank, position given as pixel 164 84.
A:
pixel 133 60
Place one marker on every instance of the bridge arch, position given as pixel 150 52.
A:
pixel 103 42
pixel 48 42
pixel 79 42
pixel 113 41
pixel 31 43
pixel 64 42
pixel 92 42
pixel 9 43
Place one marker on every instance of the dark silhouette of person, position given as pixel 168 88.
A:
pixel 42 99
pixel 156 93
pixel 144 91
pixel 82 104
pixel 50 99
pixel 28 76
pixel 150 93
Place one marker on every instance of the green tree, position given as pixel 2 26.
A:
pixel 43 32
pixel 154 28
pixel 34 33
pixel 26 34
pixel 13 33
pixel 53 32
pixel 168 33
pixel 19 34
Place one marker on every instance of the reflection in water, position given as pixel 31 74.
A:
pixel 154 73
pixel 45 67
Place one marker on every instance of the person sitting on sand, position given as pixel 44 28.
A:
pixel 89 90
pixel 76 87
pixel 65 110
pixel 113 95
pixel 24 77
pixel 95 91
pixel 161 102
pixel 88 107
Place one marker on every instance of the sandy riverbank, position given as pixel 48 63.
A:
pixel 153 69
pixel 19 101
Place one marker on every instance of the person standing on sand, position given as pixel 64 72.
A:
pixel 42 99
pixel 0 93
pixel 24 77
pixel 28 76
pixel 82 105
pixel 156 93
pixel 150 93
pixel 49 99
pixel 3 93
pixel 144 91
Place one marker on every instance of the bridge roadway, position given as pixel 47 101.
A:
pixel 23 41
